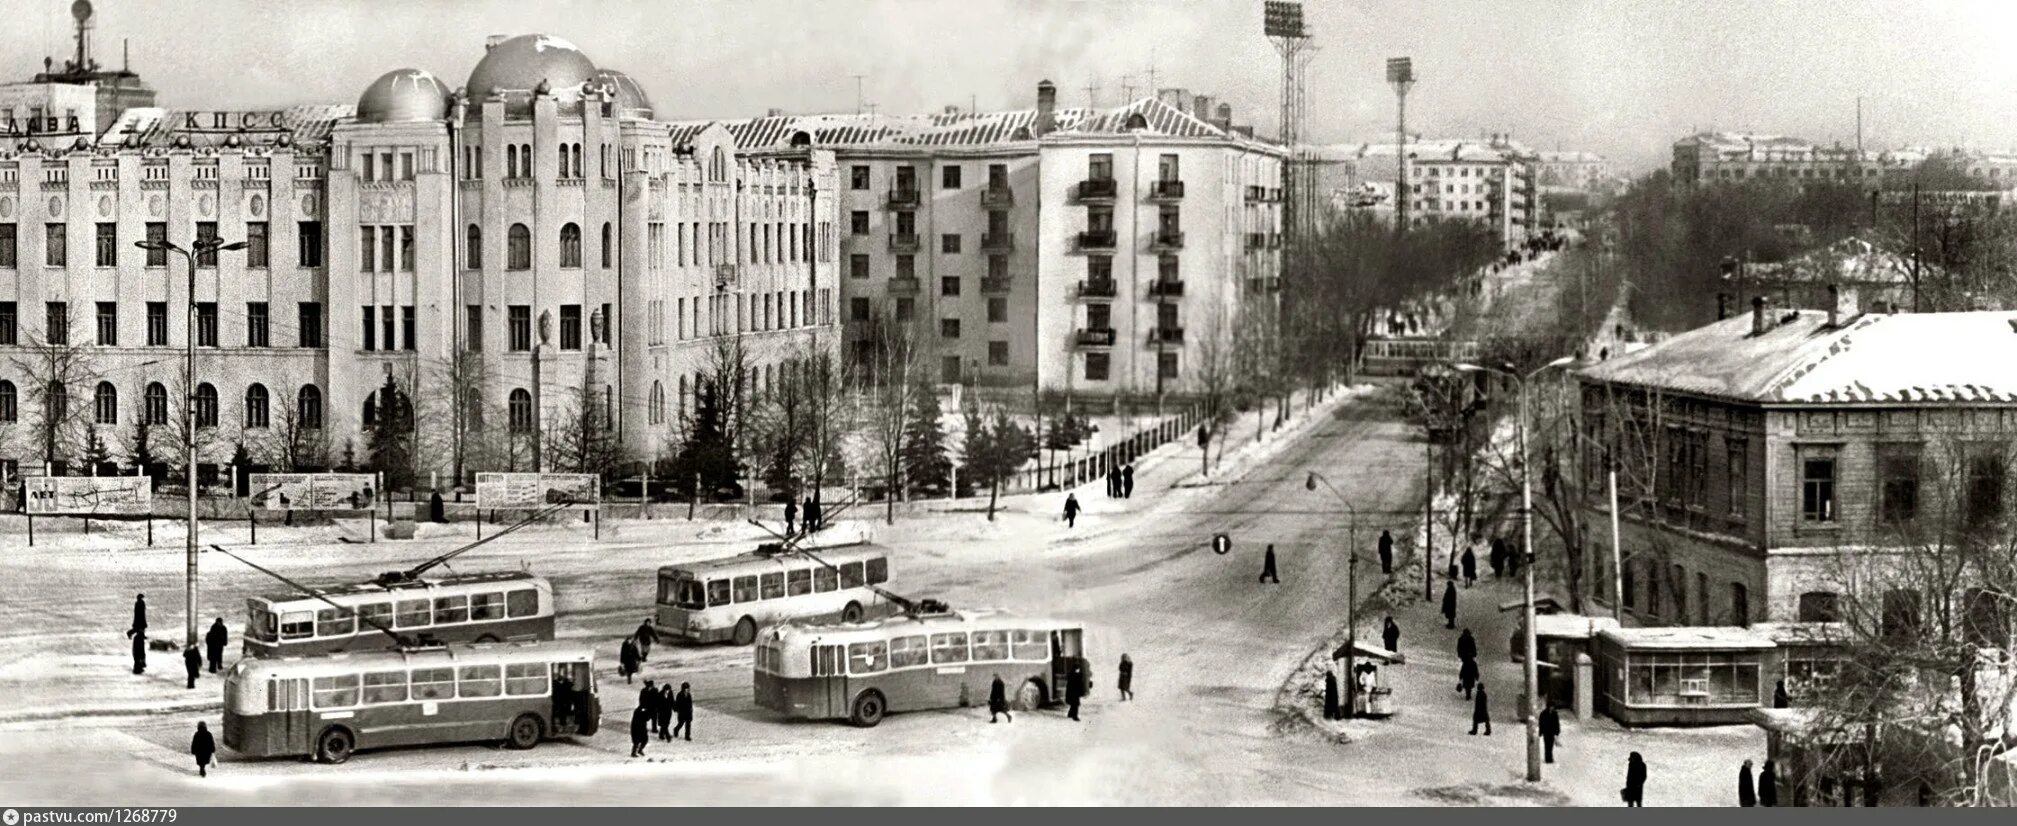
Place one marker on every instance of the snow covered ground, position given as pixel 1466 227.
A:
pixel 1218 657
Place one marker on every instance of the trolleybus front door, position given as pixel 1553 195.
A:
pixel 1067 646
pixel 829 667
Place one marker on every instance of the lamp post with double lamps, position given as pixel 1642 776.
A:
pixel 1531 663
pixel 202 246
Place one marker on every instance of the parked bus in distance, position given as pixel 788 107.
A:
pixel 733 598
pixel 508 606
pixel 908 662
pixel 329 707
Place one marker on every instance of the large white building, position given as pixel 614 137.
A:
pixel 1490 181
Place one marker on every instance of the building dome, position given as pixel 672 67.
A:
pixel 403 96
pixel 631 101
pixel 520 64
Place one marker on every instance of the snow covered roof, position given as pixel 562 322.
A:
pixel 1688 638
pixel 1802 633
pixel 1571 626
pixel 1848 261
pixel 1910 358
pixel 970 129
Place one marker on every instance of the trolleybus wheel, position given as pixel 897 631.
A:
pixel 334 746
pixel 868 709
pixel 745 631
pixel 524 732
pixel 1029 697
pixel 488 638
pixel 852 613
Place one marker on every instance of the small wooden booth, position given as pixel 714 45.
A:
pixel 1669 676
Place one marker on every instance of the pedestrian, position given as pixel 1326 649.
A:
pixel 640 730
pixel 139 651
pixel 997 700
pixel 790 514
pixel 1386 553
pixel 810 511
pixel 1128 481
pixel 214 640
pixel 1780 699
pixel 647 699
pixel 666 701
pixel 1453 572
pixel 1470 564
pixel 1075 690
pixel 437 510
pixel 1467 677
pixel 203 747
pixel 1498 557
pixel 1747 794
pixel 1390 634
pixel 626 660
pixel 1551 728
pixel 646 635
pixel 139 614
pixel 682 707
pixel 563 700
pixel 192 661
pixel 1467 646
pixel 1450 604
pixel 1071 510
pixel 1330 694
pixel 1481 711
pixel 1768 785
pixel 1512 561
pixel 1634 792
pixel 1113 483
pixel 1126 684
pixel 1268 567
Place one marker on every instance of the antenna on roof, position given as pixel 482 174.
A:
pixel 857 93
pixel 1092 94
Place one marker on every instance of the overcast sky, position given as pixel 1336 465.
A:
pixel 1620 78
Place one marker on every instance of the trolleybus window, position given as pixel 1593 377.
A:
pixel 948 648
pixel 295 625
pixel 866 657
pixel 336 692
pixel 690 594
pixel 486 606
pixel 745 589
pixel 878 570
pixel 773 585
pixel 717 592
pixel 850 575
pixel 434 684
pixel 908 651
pixel 798 583
pixel 451 609
pixel 824 580
pixel 264 624
pixel 480 681
pixel 1034 646
pixel 375 615
pixel 525 679
pixel 415 613
pixel 384 687
pixel 335 622
pixel 990 646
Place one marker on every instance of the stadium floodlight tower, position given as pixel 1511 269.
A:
pixel 1401 75
pixel 1283 24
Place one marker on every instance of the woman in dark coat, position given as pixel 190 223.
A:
pixel 640 730
pixel 1747 794
pixel 203 748
pixel 1768 785
pixel 1467 646
pixel 1467 677
pixel 668 699
pixel 1331 695
pixel 626 661
pixel 1635 781
pixel 1126 683
pixel 1481 711
pixel 1470 567
pixel 1450 604
pixel 1390 634
pixel 997 700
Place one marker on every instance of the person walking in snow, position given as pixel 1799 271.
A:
pixel 790 514
pixel 138 633
pixel 1551 728
pixel 666 703
pixel 997 700
pixel 626 659
pixel 682 707
pixel 1268 573
pixel 646 635
pixel 1747 794
pixel 1128 481
pixel 1481 711
pixel 1331 694
pixel 139 614
pixel 1071 510
pixel 1634 792
pixel 647 699
pixel 810 513
pixel 1467 677
pixel 1386 553
pixel 1390 634
pixel 1470 561
pixel 193 662
pixel 1113 480
pixel 1075 690
pixel 1467 646
pixel 1768 785
pixel 1450 604
pixel 203 747
pixel 1498 557
pixel 1126 683
pixel 1780 699
pixel 640 730
pixel 214 640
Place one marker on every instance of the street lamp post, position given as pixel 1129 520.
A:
pixel 1531 662
pixel 201 246
pixel 1352 595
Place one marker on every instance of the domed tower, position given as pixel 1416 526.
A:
pixel 403 96
pixel 516 67
pixel 631 101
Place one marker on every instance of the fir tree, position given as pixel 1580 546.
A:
pixel 143 451
pixel 926 467
pixel 706 452
pixel 996 448
pixel 96 455
pixel 390 438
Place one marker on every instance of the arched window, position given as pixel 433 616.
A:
pixel 474 259
pixel 155 405
pixel 577 161
pixel 519 254
pixel 521 410
pixel 1740 604
pixel 7 401
pixel 525 160
pixel 1820 606
pixel 206 405
pixel 510 161
pixel 657 403
pixel 570 245
pixel 369 414
pixel 107 403
pixel 56 408
pixel 718 167
pixel 308 407
pixel 255 405
pixel 563 162
pixel 682 398
pixel 608 245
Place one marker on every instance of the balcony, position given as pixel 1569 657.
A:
pixel 997 197
pixel 1255 194
pixel 1275 241
pixel 1098 288
pixel 996 285
pixel 1166 241
pixel 1095 337
pixel 1166 289
pixel 905 198
pixel 998 242
pixel 1257 241
pixel 725 275
pixel 1096 240
pixel 1098 189
pixel 905 242
pixel 903 285
pixel 1166 335
pixel 1166 191
pixel 1264 284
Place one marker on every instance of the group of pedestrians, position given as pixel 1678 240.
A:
pixel 662 712
pixel 192 658
pixel 1121 482
pixel 1764 792
pixel 811 512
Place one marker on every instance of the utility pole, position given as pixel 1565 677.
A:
pixel 857 93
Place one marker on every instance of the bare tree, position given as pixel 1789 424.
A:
pixel 893 385
pixel 296 439
pixel 1219 362
pixel 61 377
pixel 584 439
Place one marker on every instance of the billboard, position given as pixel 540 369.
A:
pixel 530 491
pixel 313 491
pixel 88 495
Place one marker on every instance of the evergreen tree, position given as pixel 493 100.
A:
pixel 95 453
pixel 926 467
pixel 706 452
pixel 996 448
pixel 390 438
pixel 143 451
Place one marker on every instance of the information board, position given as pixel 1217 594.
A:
pixel 89 495
pixel 531 491
pixel 313 491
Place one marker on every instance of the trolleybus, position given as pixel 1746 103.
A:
pixel 330 706
pixel 508 606
pixel 909 662
pixel 733 598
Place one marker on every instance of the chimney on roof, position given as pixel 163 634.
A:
pixel 1834 305
pixel 492 41
pixel 951 109
pixel 1201 106
pixel 1047 106
pixel 773 112
pixel 1761 320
